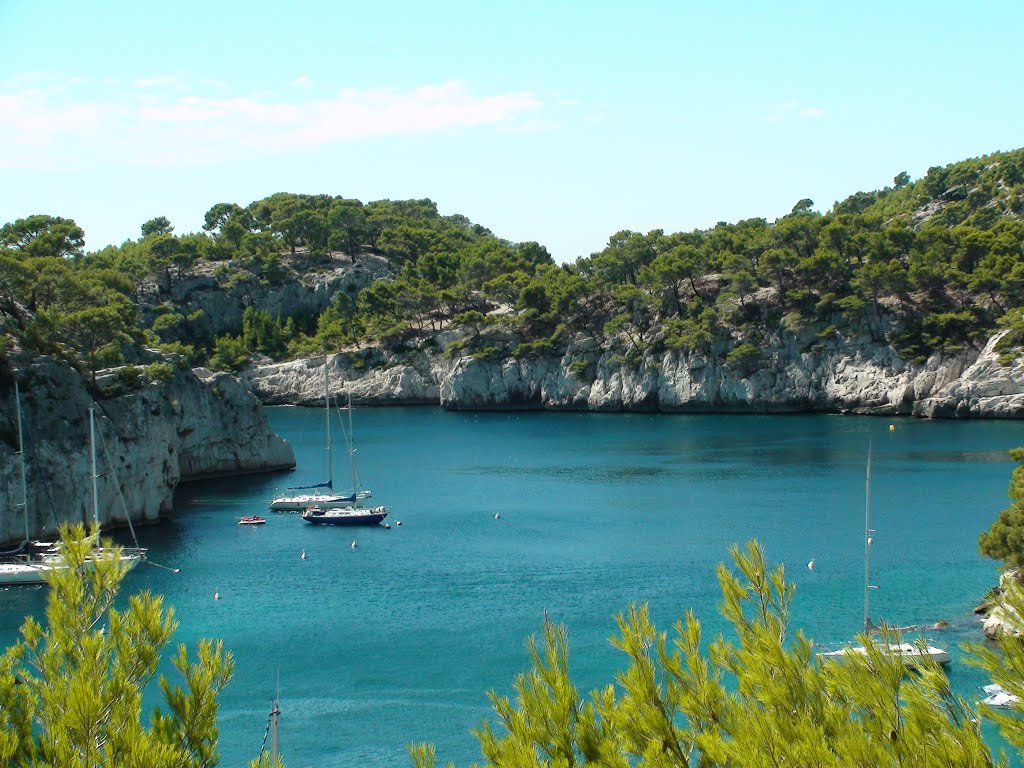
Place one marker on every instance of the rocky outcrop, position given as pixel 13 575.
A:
pixel 212 300
pixel 151 435
pixel 845 375
pixel 986 389
pixel 1000 609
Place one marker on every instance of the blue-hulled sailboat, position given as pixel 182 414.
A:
pixel 354 513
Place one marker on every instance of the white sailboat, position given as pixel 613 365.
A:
pixel 25 565
pixel 911 654
pixel 129 556
pixel 36 559
pixel 316 496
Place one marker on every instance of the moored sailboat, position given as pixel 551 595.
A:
pixel 355 513
pixel 31 563
pixel 25 564
pixel 320 495
pixel 912 655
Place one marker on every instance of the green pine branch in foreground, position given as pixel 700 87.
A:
pixel 70 691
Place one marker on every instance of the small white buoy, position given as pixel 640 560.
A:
pixel 497 516
pixel 303 555
pixel 810 565
pixel 870 540
pixel 216 595
pixel 353 545
pixel 398 522
pixel 386 525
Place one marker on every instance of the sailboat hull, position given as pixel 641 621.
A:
pixel 303 502
pixel 371 516
pixel 35 572
pixel 17 574
pixel 912 656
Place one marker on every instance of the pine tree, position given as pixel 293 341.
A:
pixel 71 691
pixel 759 698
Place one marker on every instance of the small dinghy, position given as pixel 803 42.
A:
pixel 254 520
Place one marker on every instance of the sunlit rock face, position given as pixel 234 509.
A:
pixel 150 435
pixel 844 375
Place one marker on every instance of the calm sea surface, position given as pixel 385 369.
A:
pixel 399 639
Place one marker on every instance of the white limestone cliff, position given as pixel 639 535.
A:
pixel 842 376
pixel 152 435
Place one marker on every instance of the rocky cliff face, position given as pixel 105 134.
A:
pixel 215 297
pixel 150 436
pixel 852 375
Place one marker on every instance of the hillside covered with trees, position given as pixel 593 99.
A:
pixel 925 265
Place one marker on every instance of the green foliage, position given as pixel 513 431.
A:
pixel 229 354
pixel 584 370
pixel 744 356
pixel 159 372
pixel 157 226
pixel 128 375
pixel 759 697
pixel 693 333
pixel 71 690
pixel 186 352
pixel 263 333
pixel 487 353
pixel 929 264
pixel 1005 539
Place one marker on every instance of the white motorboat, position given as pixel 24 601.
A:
pixel 999 697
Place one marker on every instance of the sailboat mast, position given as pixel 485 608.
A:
pixel 867 541
pixel 327 430
pixel 352 452
pixel 21 456
pixel 275 713
pixel 92 452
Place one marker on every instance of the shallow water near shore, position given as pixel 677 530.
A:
pixel 398 639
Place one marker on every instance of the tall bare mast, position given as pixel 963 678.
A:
pixel 275 714
pixel 92 452
pixel 327 430
pixel 352 454
pixel 21 456
pixel 868 530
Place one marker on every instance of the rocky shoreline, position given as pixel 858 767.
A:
pixel 847 376
pixel 153 435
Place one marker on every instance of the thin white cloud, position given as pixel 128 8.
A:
pixel 788 110
pixel 809 113
pixel 160 81
pixel 153 125
pixel 302 82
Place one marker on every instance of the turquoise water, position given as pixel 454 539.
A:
pixel 399 639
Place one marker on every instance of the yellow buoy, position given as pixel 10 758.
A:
pixel 892 427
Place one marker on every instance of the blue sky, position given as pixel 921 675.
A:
pixel 559 122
